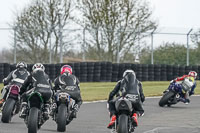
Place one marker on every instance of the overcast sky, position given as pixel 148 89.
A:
pixel 182 14
pixel 177 13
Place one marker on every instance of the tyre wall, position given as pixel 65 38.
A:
pixel 110 72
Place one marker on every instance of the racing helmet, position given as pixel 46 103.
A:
pixel 128 71
pixel 192 74
pixel 66 68
pixel 21 65
pixel 38 66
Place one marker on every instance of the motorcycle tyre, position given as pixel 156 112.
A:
pixel 122 124
pixel 61 118
pixel 33 120
pixel 164 100
pixel 8 110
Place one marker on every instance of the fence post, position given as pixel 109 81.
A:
pixel 188 63
pixel 152 61
pixel 61 42
pixel 15 45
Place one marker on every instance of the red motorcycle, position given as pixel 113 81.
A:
pixel 12 104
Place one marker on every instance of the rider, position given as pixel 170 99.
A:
pixel 37 81
pixel 66 78
pixel 19 75
pixel 191 76
pixel 127 86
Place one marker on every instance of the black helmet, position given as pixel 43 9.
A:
pixel 21 65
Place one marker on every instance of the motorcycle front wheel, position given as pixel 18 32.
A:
pixel 164 100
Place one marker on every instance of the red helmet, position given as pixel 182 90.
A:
pixel 66 68
pixel 192 74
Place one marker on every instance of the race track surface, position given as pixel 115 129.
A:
pixel 93 118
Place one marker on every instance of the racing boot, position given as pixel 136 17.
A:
pixel 184 100
pixel 75 110
pixel 187 101
pixel 23 110
pixel 53 109
pixel 1 102
pixel 112 122
pixel 135 121
pixel 46 111
pixel 73 115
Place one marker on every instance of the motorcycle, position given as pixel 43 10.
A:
pixel 124 111
pixel 35 116
pixel 12 105
pixel 62 110
pixel 175 92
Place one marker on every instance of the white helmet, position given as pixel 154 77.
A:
pixel 21 65
pixel 38 66
pixel 128 71
pixel 192 74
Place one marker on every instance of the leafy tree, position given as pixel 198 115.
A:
pixel 168 53
pixel 114 25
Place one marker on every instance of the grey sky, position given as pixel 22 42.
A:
pixel 182 14
pixel 177 13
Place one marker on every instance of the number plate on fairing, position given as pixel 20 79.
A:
pixel 132 97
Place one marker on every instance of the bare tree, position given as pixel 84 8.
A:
pixel 38 29
pixel 114 26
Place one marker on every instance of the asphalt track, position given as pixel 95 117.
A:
pixel 93 118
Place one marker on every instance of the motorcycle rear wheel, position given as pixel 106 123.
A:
pixel 122 124
pixel 33 120
pixel 61 118
pixel 8 110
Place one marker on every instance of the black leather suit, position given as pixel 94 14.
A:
pixel 128 85
pixel 40 81
pixel 17 76
pixel 62 82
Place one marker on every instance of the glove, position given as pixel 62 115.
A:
pixel 4 82
pixel 107 105
pixel 172 81
pixel 142 98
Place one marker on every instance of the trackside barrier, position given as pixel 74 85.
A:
pixel 110 72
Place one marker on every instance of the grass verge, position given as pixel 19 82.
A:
pixel 100 90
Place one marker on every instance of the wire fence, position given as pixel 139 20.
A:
pixel 153 39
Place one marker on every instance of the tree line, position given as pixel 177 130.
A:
pixel 110 30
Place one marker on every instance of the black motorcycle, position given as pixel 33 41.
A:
pixel 62 110
pixel 35 116
pixel 124 110
pixel 12 105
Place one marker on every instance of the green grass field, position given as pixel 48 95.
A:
pixel 100 90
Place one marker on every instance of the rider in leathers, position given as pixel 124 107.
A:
pixel 18 75
pixel 184 97
pixel 66 79
pixel 37 81
pixel 128 85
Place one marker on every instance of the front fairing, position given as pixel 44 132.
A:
pixel 177 88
